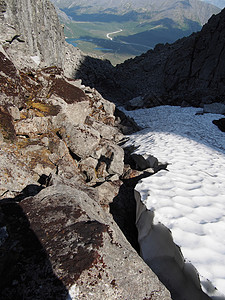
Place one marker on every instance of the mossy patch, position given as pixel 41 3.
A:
pixel 43 109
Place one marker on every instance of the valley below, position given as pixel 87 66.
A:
pixel 135 30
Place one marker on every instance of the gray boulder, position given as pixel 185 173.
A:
pixel 81 140
pixel 113 156
pixel 135 103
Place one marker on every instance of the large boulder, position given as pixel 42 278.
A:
pixel 81 140
pixel 63 244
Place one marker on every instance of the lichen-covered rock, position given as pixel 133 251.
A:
pixel 88 168
pixel 106 131
pixel 10 85
pixel 60 242
pixel 36 125
pixel 113 156
pixel 83 247
pixel 15 175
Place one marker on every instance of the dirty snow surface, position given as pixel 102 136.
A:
pixel 189 198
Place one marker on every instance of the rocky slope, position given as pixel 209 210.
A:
pixel 188 72
pixel 60 164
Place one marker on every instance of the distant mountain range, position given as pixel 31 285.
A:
pixel 136 25
pixel 151 10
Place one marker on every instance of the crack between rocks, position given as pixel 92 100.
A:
pixel 16 37
pixel 192 59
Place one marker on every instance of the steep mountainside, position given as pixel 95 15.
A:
pixel 60 165
pixel 25 40
pixel 22 23
pixel 66 184
pixel 155 10
pixel 59 159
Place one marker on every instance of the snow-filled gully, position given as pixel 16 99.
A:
pixel 164 257
pixel 181 211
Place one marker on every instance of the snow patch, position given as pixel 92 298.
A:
pixel 73 293
pixel 189 198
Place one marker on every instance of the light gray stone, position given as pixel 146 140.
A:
pixel 14 112
pixel 88 168
pixel 106 131
pixel 28 43
pixel 114 157
pixel 81 140
pixel 15 174
pixel 36 125
pixel 77 112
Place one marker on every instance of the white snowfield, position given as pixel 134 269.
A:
pixel 189 198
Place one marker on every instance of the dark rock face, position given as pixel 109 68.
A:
pixel 197 66
pixel 190 70
pixel 61 244
pixel 26 272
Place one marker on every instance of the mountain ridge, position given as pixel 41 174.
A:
pixel 142 23
pixel 159 9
